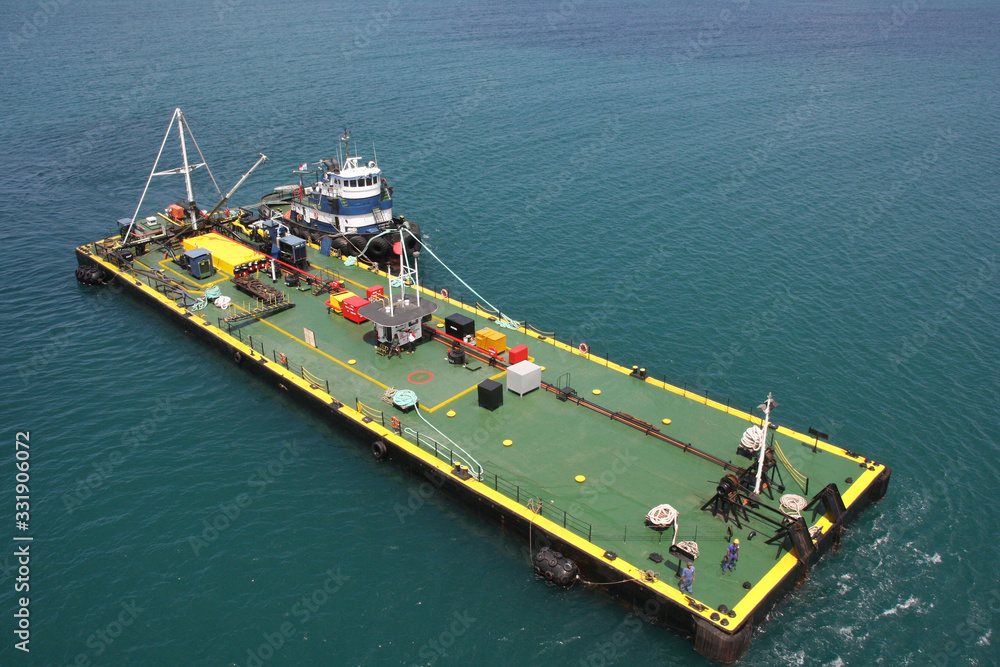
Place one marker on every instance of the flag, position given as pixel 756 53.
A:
pixel 302 167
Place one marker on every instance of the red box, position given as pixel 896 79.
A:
pixel 351 306
pixel 375 290
pixel 517 354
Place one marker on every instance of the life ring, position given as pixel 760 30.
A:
pixel 444 292
pixel 282 358
pixel 584 348
pixel 395 423
pixel 297 192
pixel 378 450
pixel 238 357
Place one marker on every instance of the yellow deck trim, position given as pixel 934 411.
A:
pixel 463 393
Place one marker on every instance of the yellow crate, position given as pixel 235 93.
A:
pixel 336 301
pixel 487 338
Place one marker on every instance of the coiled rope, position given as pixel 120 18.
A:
pixel 662 516
pixel 792 505
pixel 753 438
pixel 689 546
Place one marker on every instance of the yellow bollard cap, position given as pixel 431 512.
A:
pixel 580 478
pixel 508 443
pixel 451 413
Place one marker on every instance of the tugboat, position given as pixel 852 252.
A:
pixel 347 201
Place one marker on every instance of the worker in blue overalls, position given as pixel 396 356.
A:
pixel 732 555
pixel 687 578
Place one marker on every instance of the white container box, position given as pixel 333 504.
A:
pixel 523 377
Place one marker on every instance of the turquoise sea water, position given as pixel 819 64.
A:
pixel 796 196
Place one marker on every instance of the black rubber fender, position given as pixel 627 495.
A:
pixel 377 248
pixel 379 450
pixel 357 244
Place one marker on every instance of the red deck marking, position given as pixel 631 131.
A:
pixel 430 376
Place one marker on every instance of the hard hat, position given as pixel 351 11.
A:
pixel 736 541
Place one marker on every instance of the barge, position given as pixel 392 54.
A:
pixel 600 468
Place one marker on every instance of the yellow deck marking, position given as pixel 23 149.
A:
pixel 462 393
pixel 316 349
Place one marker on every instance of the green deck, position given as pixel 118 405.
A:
pixel 627 472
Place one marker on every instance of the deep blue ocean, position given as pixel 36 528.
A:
pixel 796 196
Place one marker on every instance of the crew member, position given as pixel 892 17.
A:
pixel 732 555
pixel 687 578
pixel 411 338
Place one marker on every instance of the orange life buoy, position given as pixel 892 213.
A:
pixel 282 358
pixel 584 348
pixel 297 192
pixel 395 423
pixel 444 292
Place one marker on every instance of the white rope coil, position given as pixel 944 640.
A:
pixel 662 516
pixel 223 302
pixel 792 504
pixel 753 438
pixel 690 547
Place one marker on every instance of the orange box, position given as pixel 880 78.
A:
pixel 487 338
